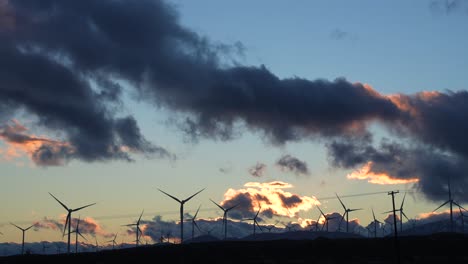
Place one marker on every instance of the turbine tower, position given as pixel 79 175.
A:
pixel 68 219
pixel 24 231
pixel 138 230
pixel 225 210
pixel 346 213
pixel 451 202
pixel 182 202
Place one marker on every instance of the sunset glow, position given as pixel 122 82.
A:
pixel 366 173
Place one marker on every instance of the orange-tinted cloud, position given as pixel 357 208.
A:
pixel 269 197
pixel 406 103
pixel 366 173
pixel 42 150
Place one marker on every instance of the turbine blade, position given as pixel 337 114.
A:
pixel 170 196
pixel 129 225
pixel 459 206
pixel 351 210
pixel 441 206
pixel 341 220
pixel 373 214
pixel 218 205
pixel 321 211
pixel 79 208
pixel 82 236
pixel 340 201
pixel 186 200
pixel 139 218
pixel 196 225
pixel 403 201
pixel 232 207
pixel 258 225
pixel 64 206
pixel 28 228
pixel 16 226
pixel 196 213
pixel 403 213
pixel 257 212
pixel 67 221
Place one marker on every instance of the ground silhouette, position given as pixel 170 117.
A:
pixel 436 248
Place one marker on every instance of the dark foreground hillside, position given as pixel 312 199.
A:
pixel 440 248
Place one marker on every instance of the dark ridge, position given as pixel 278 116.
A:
pixel 436 248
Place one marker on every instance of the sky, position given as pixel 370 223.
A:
pixel 268 106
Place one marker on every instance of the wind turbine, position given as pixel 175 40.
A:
pixel 375 223
pixel 138 230
pixel 44 247
pixel 97 245
pixel 255 223
pixel 346 213
pixel 68 219
pixel 462 216
pixel 77 232
pixel 270 227
pixel 225 210
pixel 451 202
pixel 327 218
pixel 23 230
pixel 289 227
pixel 194 224
pixel 182 202
pixel 113 241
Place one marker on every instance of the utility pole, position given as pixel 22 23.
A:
pixel 397 247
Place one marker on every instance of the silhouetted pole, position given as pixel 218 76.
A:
pixel 76 241
pixel 392 193
pixel 397 248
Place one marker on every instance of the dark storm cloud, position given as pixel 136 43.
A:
pixel 144 44
pixel 63 61
pixel 293 164
pixel 432 168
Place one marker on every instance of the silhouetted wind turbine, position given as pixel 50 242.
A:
pixel 182 202
pixel 113 241
pixel 270 227
pixel 225 210
pixel 68 219
pixel 138 230
pixel 97 245
pixel 255 223
pixel 23 230
pixel 451 203
pixel 327 218
pixel 462 216
pixel 346 212
pixel 375 223
pixel 77 232
pixel 194 223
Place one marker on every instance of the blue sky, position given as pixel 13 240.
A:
pixel 397 47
